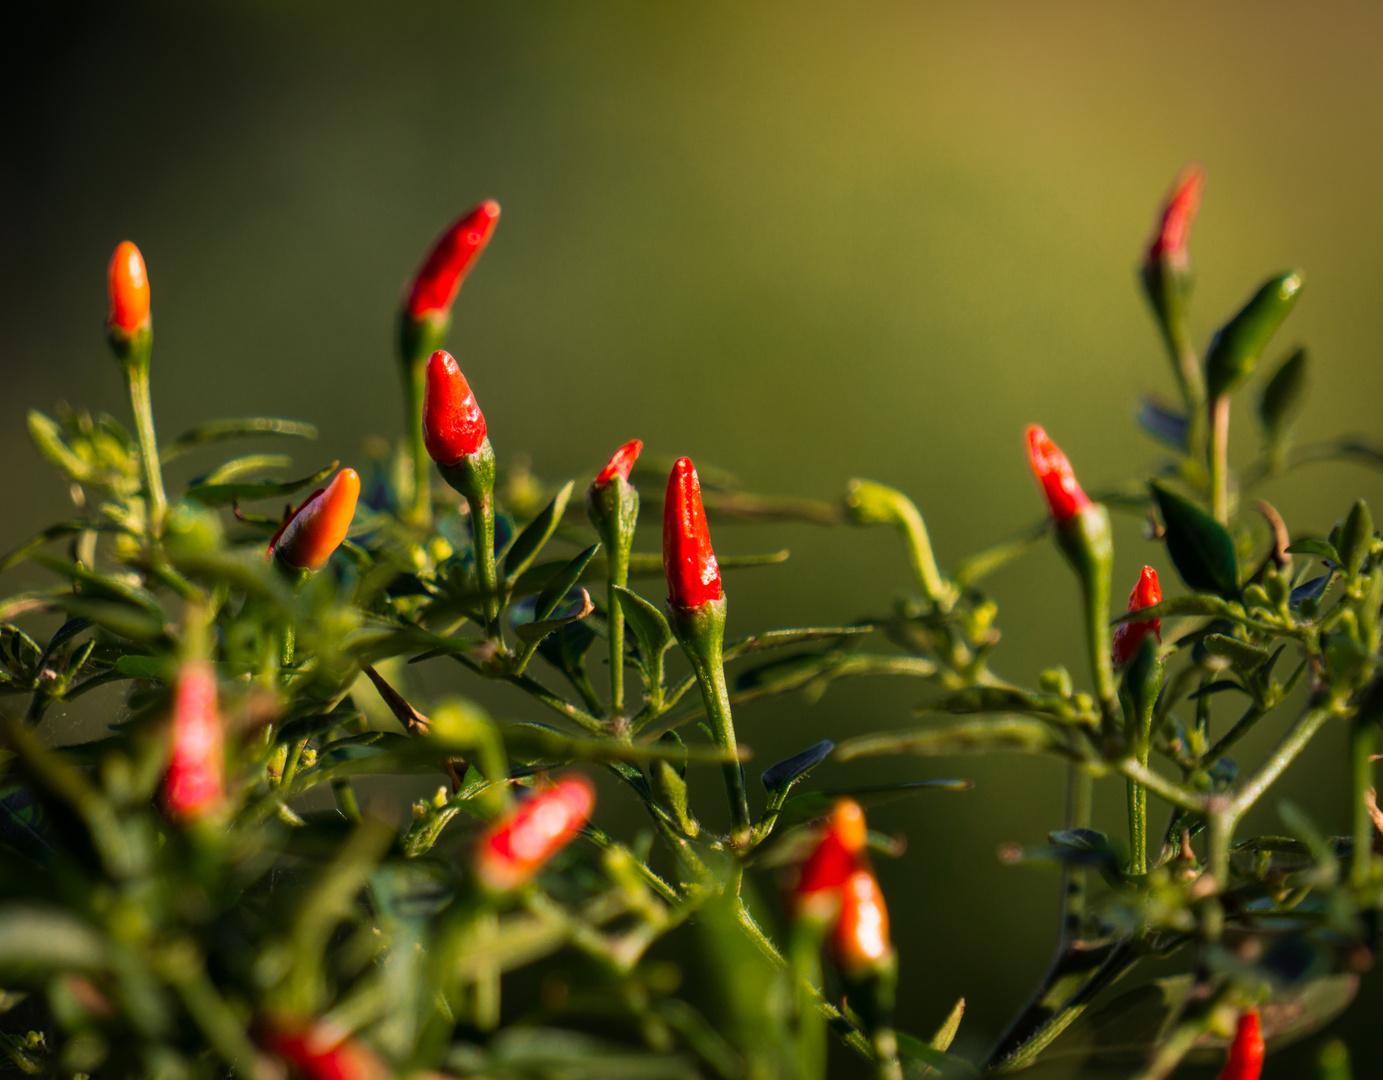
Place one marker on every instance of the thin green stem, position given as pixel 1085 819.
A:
pixel 1219 459
pixel 711 675
pixel 1292 744
pixel 483 531
pixel 1080 791
pixel 414 386
pixel 1361 749
pixel 141 403
pixel 617 561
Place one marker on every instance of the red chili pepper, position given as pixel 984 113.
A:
pixel 316 528
pixel 128 284
pixel 1245 1058
pixel 1065 498
pixel 1178 215
pixel 817 891
pixel 438 280
pixel 860 941
pixel 1128 638
pixel 195 783
pixel 621 463
pixel 693 577
pixel 319 1051
pixel 453 425
pixel 517 846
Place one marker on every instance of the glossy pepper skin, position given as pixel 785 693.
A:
pixel 1169 242
pixel 195 785
pixel 516 846
pixel 1234 351
pixel 453 425
pixel 860 943
pixel 818 889
pixel 1245 1059
pixel 1129 636
pixel 693 576
pixel 434 287
pixel 318 1051
pixel 127 283
pixel 1064 496
pixel 316 528
pixel 621 463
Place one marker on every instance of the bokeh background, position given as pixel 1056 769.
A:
pixel 803 241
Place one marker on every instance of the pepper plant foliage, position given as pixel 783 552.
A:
pixel 198 892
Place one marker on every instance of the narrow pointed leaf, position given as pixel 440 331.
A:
pixel 537 533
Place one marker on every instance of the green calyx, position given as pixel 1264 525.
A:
pixel 613 508
pixel 1087 542
pixel 474 478
pixel 1235 350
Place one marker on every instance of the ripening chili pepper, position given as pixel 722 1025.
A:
pixel 320 1051
pixel 820 881
pixel 316 528
pixel 1064 496
pixel 195 783
pixel 621 462
pixel 516 847
pixel 434 287
pixel 453 425
pixel 860 943
pixel 1245 1058
pixel 1169 242
pixel 128 285
pixel 1129 637
pixel 1234 350
pixel 693 576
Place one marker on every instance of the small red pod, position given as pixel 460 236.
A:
pixel 318 1051
pixel 817 889
pixel 316 528
pixel 621 462
pixel 1245 1058
pixel 127 282
pixel 693 576
pixel 434 287
pixel 1129 636
pixel 195 784
pixel 1169 242
pixel 1065 499
pixel 517 845
pixel 453 425
pixel 860 943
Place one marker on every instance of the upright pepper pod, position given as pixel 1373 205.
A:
pixel 312 532
pixel 1129 636
pixel 696 606
pixel 317 1050
pixel 1083 533
pixel 1236 347
pixel 195 785
pixel 1246 1052
pixel 863 952
pixel 612 504
pixel 816 892
pixel 455 436
pixel 425 316
pixel 130 329
pixel 1168 279
pixel 516 846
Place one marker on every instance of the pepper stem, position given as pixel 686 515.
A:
pixel 1219 459
pixel 701 633
pixel 419 338
pixel 474 478
pixel 136 368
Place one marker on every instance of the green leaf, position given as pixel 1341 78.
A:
pixel 46 434
pixel 647 564
pixel 562 582
pixel 37 943
pixel 1200 547
pixel 247 465
pixel 1332 1063
pixel 1240 654
pixel 1235 350
pixel 923 1059
pixel 573 609
pixel 649 625
pixel 1321 548
pixel 54 532
pixel 222 494
pixel 1356 538
pixel 1282 396
pixel 1194 604
pixel 537 533
pixel 245 427
pixel 946 1033
pixel 962 737
pixel 790 770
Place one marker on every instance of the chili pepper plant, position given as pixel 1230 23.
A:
pixel 202 891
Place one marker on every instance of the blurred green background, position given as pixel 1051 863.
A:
pixel 802 241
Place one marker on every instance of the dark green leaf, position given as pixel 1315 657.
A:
pixel 223 494
pixel 810 805
pixel 962 737
pixel 1242 655
pixel 573 608
pixel 1322 548
pixel 790 770
pixel 221 430
pixel 1356 538
pixel 562 582
pixel 247 465
pixel 649 625
pixel 1200 547
pixel 1282 396
pixel 536 534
